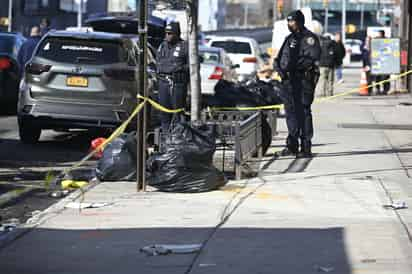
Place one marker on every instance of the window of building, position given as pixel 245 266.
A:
pixel 35 6
pixel 72 5
pixel 121 5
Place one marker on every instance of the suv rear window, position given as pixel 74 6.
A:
pixel 233 47
pixel 69 50
pixel 210 57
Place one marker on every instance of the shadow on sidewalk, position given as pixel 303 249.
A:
pixel 231 250
pixel 364 152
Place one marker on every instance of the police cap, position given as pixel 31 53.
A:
pixel 297 16
pixel 173 27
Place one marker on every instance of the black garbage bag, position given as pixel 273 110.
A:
pixel 266 135
pixel 119 159
pixel 269 92
pixel 185 164
pixel 254 93
pixel 229 94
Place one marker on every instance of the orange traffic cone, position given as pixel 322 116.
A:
pixel 363 89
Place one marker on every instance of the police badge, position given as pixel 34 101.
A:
pixel 310 41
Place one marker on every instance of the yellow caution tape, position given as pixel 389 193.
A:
pixel 280 106
pixel 355 90
pixel 114 135
pixel 317 100
pixel 159 106
pixel 123 126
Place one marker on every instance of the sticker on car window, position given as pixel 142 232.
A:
pixel 81 48
pixel 46 47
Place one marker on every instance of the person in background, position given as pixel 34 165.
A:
pixel 172 72
pixel 298 67
pixel 44 25
pixel 384 88
pixel 328 60
pixel 366 61
pixel 27 49
pixel 340 54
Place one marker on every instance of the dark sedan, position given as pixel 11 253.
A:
pixel 10 44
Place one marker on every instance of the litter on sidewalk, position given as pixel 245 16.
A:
pixel 160 249
pixel 77 205
pixel 72 184
pixel 325 269
pixel 396 205
pixel 9 225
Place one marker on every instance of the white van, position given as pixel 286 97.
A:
pixel 243 51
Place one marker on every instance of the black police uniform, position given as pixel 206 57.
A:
pixel 297 64
pixel 173 76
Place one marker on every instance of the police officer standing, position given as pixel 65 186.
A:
pixel 172 72
pixel 327 64
pixel 297 65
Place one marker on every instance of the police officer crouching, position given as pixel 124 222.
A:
pixel 297 65
pixel 172 73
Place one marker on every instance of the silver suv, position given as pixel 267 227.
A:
pixel 78 79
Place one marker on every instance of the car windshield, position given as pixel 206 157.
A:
pixel 69 50
pixel 233 46
pixel 6 44
pixel 210 57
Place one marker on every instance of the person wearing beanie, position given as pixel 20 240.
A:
pixel 172 73
pixel 297 64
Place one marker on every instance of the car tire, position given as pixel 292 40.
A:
pixel 28 133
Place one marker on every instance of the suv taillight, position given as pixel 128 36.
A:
pixel 249 60
pixel 120 74
pixel 217 74
pixel 35 68
pixel 5 63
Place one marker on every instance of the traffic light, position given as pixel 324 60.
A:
pixel 280 6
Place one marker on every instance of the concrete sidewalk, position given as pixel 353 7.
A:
pixel 300 216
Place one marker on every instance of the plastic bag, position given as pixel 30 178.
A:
pixel 119 159
pixel 255 93
pixel 185 164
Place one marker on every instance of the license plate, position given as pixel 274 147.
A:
pixel 77 81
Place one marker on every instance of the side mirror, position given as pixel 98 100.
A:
pixel 201 59
pixel 235 66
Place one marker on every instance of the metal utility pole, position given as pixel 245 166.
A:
pixel 343 21
pixel 326 5
pixel 408 12
pixel 79 13
pixel 10 15
pixel 192 10
pixel 275 11
pixel 142 90
pixel 246 15
pixel 298 4
pixel 362 18
pixel 403 33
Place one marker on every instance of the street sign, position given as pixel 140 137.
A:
pixel 385 56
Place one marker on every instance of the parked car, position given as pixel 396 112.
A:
pixel 215 65
pixel 243 51
pixel 79 80
pixel 353 47
pixel 10 44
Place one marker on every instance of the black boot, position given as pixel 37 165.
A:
pixel 292 147
pixel 306 150
pixel 287 151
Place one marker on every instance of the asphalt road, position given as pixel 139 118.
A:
pixel 23 166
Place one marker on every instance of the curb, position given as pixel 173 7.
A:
pixel 41 218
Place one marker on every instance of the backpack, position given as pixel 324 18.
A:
pixel 328 53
